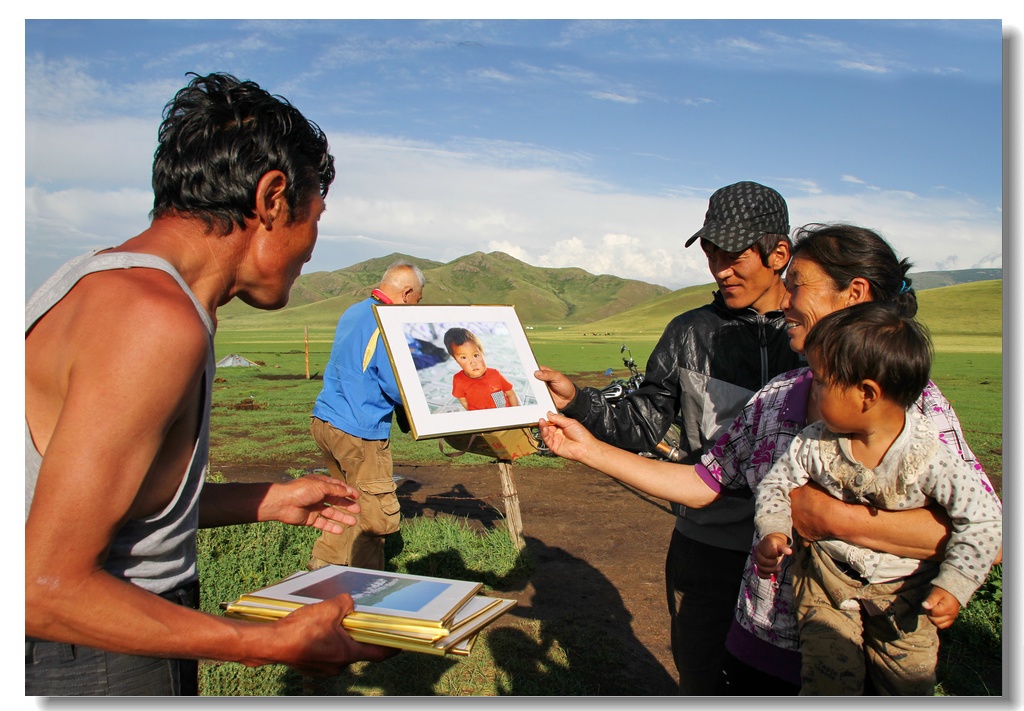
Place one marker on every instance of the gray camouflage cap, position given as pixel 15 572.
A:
pixel 740 214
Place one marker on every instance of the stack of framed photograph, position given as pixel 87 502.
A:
pixel 412 612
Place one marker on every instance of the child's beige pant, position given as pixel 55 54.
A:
pixel 884 635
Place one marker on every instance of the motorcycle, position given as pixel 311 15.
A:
pixel 615 392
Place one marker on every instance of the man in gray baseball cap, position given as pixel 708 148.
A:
pixel 740 214
pixel 743 228
pixel 705 367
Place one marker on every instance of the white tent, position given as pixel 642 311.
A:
pixel 234 360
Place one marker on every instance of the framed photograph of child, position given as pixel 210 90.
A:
pixel 462 369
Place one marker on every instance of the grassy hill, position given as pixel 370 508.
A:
pixel 953 304
pixel 651 315
pixel 354 281
pixel 540 295
pixel 969 310
pixel 972 309
pixel 933 280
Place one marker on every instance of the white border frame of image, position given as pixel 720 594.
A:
pixel 438 609
pixel 427 425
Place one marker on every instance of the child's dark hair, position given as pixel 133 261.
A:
pixel 872 341
pixel 459 336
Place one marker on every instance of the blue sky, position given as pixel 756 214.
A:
pixel 593 144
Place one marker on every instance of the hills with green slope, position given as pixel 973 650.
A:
pixel 579 301
pixel 540 295
pixel 933 280
pixel 966 309
pixel 971 309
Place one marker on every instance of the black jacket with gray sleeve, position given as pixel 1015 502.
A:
pixel 707 364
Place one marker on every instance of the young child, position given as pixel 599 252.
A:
pixel 861 611
pixel 477 387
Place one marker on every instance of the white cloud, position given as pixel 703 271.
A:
pixel 610 96
pixel 445 204
pixel 742 44
pixel 862 66
pixel 436 203
pixel 69 89
pixel 72 221
pixel 62 224
pixel 109 152
pixel 790 186
pixel 493 74
pixel 934 233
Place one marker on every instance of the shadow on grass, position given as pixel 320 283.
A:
pixel 458 501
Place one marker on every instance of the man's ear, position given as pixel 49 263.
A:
pixel 779 257
pixel 271 203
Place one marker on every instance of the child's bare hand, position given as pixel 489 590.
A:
pixel 941 608
pixel 769 553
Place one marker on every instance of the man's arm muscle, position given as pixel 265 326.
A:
pixel 118 450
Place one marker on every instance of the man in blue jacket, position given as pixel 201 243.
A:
pixel 351 423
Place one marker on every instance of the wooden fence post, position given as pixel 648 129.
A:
pixel 510 497
pixel 305 330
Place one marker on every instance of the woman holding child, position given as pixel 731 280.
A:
pixel 833 267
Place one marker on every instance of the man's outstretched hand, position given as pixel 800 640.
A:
pixel 561 388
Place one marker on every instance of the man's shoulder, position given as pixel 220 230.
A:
pixel 126 295
pixel 708 313
pixel 359 310
pixel 357 318
pixel 126 318
pixel 146 301
pixel 361 304
pixel 699 322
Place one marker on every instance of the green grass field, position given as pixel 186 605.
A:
pixel 261 416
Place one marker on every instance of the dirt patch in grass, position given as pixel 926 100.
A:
pixel 247 405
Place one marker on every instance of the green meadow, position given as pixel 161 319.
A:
pixel 261 417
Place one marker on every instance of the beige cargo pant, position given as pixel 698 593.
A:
pixel 363 464
pixel 885 635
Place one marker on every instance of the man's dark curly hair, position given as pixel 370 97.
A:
pixel 219 136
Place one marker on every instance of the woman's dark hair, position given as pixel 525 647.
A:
pixel 845 252
pixel 219 136
pixel 873 341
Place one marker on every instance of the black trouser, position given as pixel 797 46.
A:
pixel 702 583
pixel 58 669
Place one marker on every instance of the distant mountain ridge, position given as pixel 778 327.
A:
pixel 540 295
pixel 567 295
pixel 933 280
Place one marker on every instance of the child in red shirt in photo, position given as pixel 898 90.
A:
pixel 477 387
